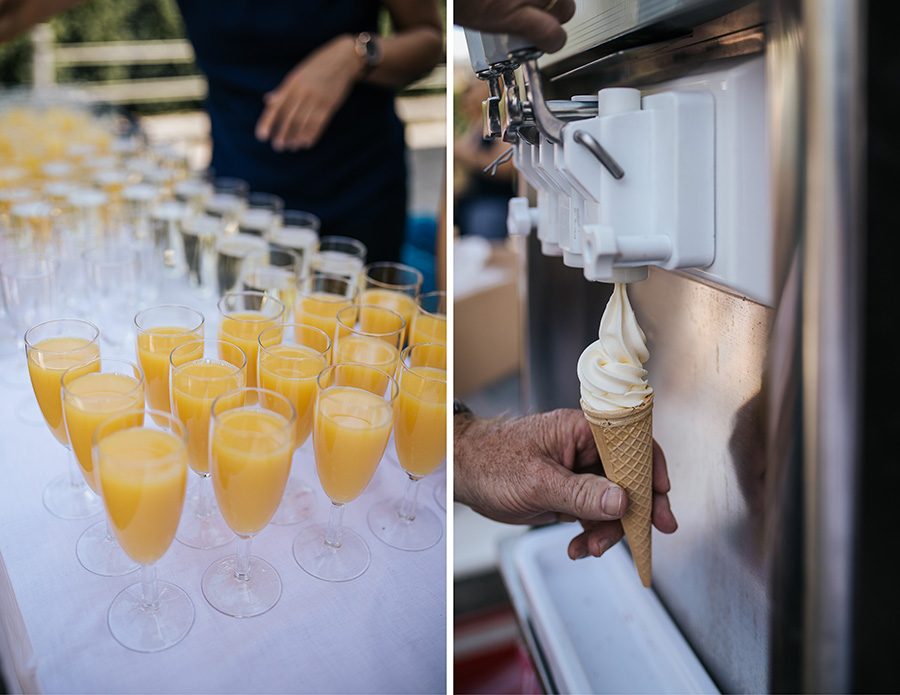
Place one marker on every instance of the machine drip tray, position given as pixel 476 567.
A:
pixel 591 624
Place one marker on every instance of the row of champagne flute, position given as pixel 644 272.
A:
pixel 76 397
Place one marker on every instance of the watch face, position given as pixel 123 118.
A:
pixel 367 48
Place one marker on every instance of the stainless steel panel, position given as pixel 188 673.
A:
pixel 707 352
pixel 832 290
pixel 599 21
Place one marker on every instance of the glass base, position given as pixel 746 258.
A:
pixel 331 564
pixel 419 533
pixel 101 554
pixel 241 598
pixel 298 503
pixel 144 630
pixel 68 500
pixel 203 532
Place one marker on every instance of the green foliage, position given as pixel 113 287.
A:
pixel 106 20
pixel 15 61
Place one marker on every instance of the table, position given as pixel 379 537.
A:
pixel 384 632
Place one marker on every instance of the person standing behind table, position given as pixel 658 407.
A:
pixel 301 103
pixel 301 100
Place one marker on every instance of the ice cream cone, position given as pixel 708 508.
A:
pixel 624 441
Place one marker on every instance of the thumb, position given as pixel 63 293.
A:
pixel 584 496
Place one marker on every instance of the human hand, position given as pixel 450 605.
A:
pixel 543 468
pixel 299 109
pixel 538 21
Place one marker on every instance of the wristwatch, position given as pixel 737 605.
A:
pixel 460 408
pixel 368 50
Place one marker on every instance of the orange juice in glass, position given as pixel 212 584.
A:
pixel 369 334
pixel 351 431
pixel 142 469
pixel 161 329
pixel 200 372
pixel 250 460
pixel 319 299
pixel 88 400
pixel 242 317
pixel 290 359
pixel 430 322
pixel 394 286
pixel 51 348
pixel 420 438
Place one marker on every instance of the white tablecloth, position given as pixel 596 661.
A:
pixel 384 632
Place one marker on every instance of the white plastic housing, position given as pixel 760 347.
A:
pixel 662 211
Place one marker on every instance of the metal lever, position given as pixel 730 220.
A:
pixel 596 149
pixel 548 123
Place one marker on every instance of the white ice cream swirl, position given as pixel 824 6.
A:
pixel 610 369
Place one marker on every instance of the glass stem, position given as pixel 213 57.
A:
pixel 242 559
pixel 335 523
pixel 407 509
pixel 204 498
pixel 149 588
pixel 75 477
pixel 110 538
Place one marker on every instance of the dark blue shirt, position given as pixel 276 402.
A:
pixel 354 178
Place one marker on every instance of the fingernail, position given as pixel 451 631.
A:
pixel 580 554
pixel 603 546
pixel 611 502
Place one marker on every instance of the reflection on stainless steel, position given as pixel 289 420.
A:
pixel 832 287
pixel 707 352
pixel 785 512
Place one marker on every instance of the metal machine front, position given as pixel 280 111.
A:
pixel 728 281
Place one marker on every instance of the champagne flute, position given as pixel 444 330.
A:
pixel 28 283
pixel 252 434
pixel 298 231
pixel 392 285
pixel 161 329
pixel 276 273
pixel 369 334
pixel 199 234
pixel 142 469
pixel 242 317
pixel 319 299
pixel 290 359
pixel 51 348
pixel 228 201
pixel 354 415
pixel 340 255
pixel 263 212
pixel 235 253
pixel 112 272
pixel 113 386
pixel 420 438
pixel 430 322
pixel 199 372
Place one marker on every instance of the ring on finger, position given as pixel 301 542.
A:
pixel 550 5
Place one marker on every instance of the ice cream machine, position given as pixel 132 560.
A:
pixel 668 146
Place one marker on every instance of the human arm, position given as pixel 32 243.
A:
pixel 299 109
pixel 17 16
pixel 525 18
pixel 542 468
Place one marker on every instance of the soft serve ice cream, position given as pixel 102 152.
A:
pixel 618 403
pixel 611 368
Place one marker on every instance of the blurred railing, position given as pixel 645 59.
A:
pixel 49 56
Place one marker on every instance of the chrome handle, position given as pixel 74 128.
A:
pixel 596 149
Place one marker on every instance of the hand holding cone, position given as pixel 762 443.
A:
pixel 624 440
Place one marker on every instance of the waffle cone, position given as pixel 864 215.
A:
pixel 624 440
